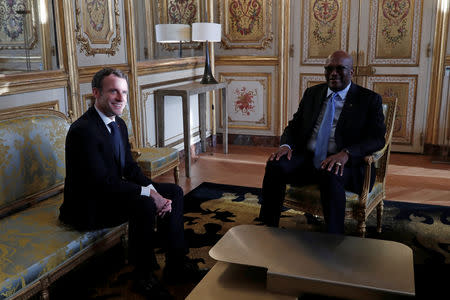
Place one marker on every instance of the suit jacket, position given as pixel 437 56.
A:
pixel 97 185
pixel 360 127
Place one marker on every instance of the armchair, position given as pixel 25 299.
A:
pixel 153 161
pixel 307 198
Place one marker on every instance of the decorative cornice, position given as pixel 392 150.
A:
pixel 86 73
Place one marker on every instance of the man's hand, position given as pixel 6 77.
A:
pixel 283 150
pixel 163 205
pixel 337 161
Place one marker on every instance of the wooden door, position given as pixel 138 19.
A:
pixel 389 41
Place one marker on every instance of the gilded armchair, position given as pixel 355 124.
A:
pixel 153 161
pixel 307 198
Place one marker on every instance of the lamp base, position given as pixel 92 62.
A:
pixel 208 77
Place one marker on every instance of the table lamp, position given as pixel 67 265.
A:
pixel 173 33
pixel 206 32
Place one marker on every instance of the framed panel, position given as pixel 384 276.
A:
pixel 309 80
pixel 396 40
pixel 180 12
pixel 249 100
pixel 246 23
pixel 98 26
pixel 18 25
pixel 404 89
pixel 325 29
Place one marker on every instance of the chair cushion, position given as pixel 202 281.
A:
pixel 34 242
pixel 308 196
pixel 153 159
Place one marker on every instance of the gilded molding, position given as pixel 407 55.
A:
pixel 19 110
pixel 85 44
pixel 435 98
pixel 169 65
pixel 235 34
pixel 281 116
pixel 247 60
pixel 447 60
pixel 33 81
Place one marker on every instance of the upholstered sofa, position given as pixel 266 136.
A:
pixel 35 248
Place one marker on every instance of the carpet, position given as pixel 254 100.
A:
pixel 211 209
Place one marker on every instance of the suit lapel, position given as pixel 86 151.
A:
pixel 318 102
pixel 348 105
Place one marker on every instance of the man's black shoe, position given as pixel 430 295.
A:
pixel 151 288
pixel 184 271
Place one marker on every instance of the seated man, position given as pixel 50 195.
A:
pixel 104 187
pixel 335 126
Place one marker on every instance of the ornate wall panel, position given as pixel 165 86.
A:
pixel 18 19
pixel 325 29
pixel 180 11
pixel 309 80
pixel 404 89
pixel 246 23
pixel 396 40
pixel 248 100
pixel 95 24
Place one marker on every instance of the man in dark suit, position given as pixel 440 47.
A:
pixel 335 126
pixel 104 187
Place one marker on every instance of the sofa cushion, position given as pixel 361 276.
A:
pixel 154 159
pixel 34 242
pixel 32 157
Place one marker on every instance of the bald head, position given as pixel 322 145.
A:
pixel 339 70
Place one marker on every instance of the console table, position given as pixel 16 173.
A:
pixel 185 91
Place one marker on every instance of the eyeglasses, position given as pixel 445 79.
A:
pixel 339 69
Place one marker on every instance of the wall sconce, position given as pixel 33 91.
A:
pixel 206 32
pixel 173 33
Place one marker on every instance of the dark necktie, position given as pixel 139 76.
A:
pixel 323 135
pixel 115 138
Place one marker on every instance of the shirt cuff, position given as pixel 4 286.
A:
pixel 286 146
pixel 145 190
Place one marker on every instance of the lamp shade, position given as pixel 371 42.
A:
pixel 172 33
pixel 202 32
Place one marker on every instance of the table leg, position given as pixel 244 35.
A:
pixel 225 121
pixel 187 133
pixel 159 103
pixel 202 119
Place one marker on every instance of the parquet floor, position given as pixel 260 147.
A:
pixel 411 177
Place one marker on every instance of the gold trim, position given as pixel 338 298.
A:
pixel 264 43
pixel 149 32
pixel 86 24
pixel 435 98
pixel 86 73
pixel 32 81
pixel 247 60
pixel 85 45
pixel 283 83
pixel 45 39
pixel 169 65
pixel 269 97
pixel 18 110
pixel 447 59
pixel 133 98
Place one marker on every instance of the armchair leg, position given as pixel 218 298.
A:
pixel 380 208
pixel 362 228
pixel 176 175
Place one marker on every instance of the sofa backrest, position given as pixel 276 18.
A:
pixel 32 156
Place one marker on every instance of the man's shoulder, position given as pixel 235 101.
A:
pixel 363 91
pixel 317 88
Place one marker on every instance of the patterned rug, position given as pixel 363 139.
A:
pixel 211 209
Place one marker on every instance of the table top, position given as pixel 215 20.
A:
pixel 326 260
pixel 230 281
pixel 190 89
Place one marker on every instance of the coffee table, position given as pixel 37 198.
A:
pixel 310 262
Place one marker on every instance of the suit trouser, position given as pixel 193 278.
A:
pixel 142 235
pixel 300 171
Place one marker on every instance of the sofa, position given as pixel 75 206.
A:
pixel 35 247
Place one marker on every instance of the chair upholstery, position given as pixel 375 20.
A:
pixel 307 198
pixel 153 161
